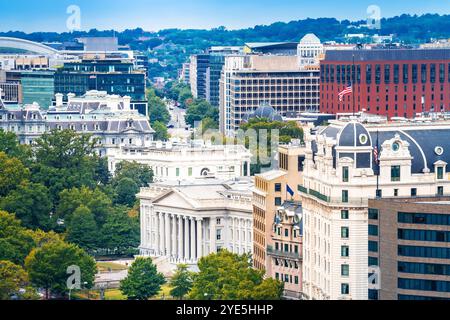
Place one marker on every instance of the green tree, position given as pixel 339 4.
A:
pixel 229 276
pixel 15 241
pixel 82 229
pixel 13 278
pixel 65 159
pixel 161 132
pixel 199 110
pixel 9 144
pixel 95 200
pixel 120 233
pixel 157 108
pixel 126 191
pixel 31 203
pixel 143 280
pixel 140 173
pixel 47 266
pixel 12 173
pixel 181 282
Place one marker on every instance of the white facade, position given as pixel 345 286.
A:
pixel 309 51
pixel 184 222
pixel 186 161
pixel 413 162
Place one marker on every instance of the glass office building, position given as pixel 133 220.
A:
pixel 38 86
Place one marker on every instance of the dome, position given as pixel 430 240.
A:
pixel 354 134
pixel 310 38
pixel 264 111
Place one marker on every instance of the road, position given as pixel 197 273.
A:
pixel 177 116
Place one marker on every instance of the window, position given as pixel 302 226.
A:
pixel 344 174
pixel 344 232
pixel 345 270
pixel 345 288
pixel 277 187
pixel 178 172
pixel 373 261
pixel 440 173
pixel 296 279
pixel 278 201
pixel 218 234
pixel 395 173
pixel 190 172
pixel 373 246
pixel 373 230
pixel 378 193
pixel 345 196
pixel 395 192
pixel 345 251
pixel 440 191
pixel 219 221
pixel 413 192
pixel 344 214
pixel 286 232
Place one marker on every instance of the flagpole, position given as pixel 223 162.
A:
pixel 353 76
pixel 378 165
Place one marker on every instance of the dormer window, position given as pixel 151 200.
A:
pixel 395 173
pixel 395 146
pixel 345 174
pixel 440 173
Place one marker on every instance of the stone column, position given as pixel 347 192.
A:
pixel 174 236
pixel 192 256
pixel 186 239
pixel 167 235
pixel 180 237
pixel 212 235
pixel 240 234
pixel 161 234
pixel 199 239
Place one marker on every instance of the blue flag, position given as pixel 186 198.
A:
pixel 289 190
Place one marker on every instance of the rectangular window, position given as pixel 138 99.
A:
pixel 405 74
pixel 345 251
pixel 440 191
pixel 396 73
pixel 377 74
pixel 432 73
pixel 413 192
pixel 286 232
pixel 278 201
pixel 277 187
pixel 373 230
pixel 345 196
pixel 190 172
pixel 440 173
pixel 344 232
pixel 373 246
pixel 344 174
pixel 395 173
pixel 344 214
pixel 423 73
pixel 345 270
pixel 178 172
pixel 345 288
pixel 373 261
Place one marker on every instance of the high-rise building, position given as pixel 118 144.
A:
pixel 409 248
pixel 247 82
pixel 38 86
pixel 113 76
pixel 341 174
pixel 394 83
pixel 197 75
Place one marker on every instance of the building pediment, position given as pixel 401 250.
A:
pixel 174 199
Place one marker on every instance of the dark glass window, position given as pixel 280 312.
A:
pixel 345 270
pixel 345 251
pixel 373 214
pixel 432 73
pixel 395 173
pixel 373 261
pixel 344 232
pixel 414 73
pixel 405 74
pixel 277 187
pixel 344 174
pixel 373 246
pixel 344 214
pixel 424 268
pixel 424 218
pixel 387 73
pixel 278 201
pixel 345 288
pixel 441 73
pixel 423 73
pixel 413 192
pixel 369 74
pixel 373 230
pixel 424 252
pixel 377 74
pixel 424 285
pixel 345 196
pixel 396 73
pixel 440 173
pixel 424 235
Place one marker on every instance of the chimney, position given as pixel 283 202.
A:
pixel 59 99
pixel 70 96
pixel 126 103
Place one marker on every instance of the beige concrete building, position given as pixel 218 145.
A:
pixel 409 242
pixel 247 82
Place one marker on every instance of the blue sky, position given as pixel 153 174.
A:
pixel 153 15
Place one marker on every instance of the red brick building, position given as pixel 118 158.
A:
pixel 395 83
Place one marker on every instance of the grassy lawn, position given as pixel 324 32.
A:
pixel 114 294
pixel 110 266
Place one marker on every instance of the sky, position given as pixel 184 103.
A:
pixel 154 15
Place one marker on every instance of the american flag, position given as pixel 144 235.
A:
pixel 347 90
pixel 375 154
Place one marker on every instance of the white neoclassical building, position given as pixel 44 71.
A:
pixel 341 174
pixel 185 221
pixel 186 161
pixel 309 51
